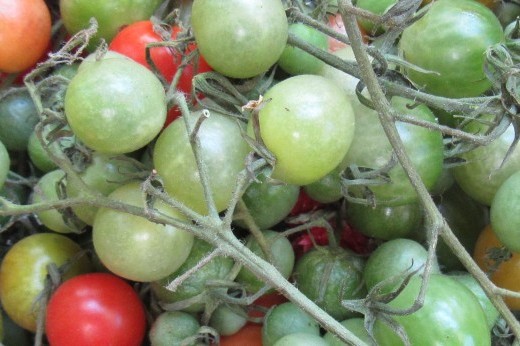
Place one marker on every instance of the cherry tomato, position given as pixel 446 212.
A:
pixel 18 117
pixel 249 335
pixel 24 35
pixel 95 309
pixel 172 327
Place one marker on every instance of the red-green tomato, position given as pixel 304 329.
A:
pixel 308 123
pixel 392 261
pixel 240 38
pixel 5 163
pixel 460 31
pixel 46 190
pixel 296 61
pixel 217 269
pixel 24 269
pixel 371 149
pixel 505 213
pixel 282 255
pixel 171 327
pixel 451 315
pixel 285 319
pixel 484 169
pixel 111 16
pixel 329 275
pixel 222 148
pixel 134 247
pixel 104 174
pixel 115 105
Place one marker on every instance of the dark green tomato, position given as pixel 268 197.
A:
pixel 482 173
pixel 172 327
pixel 217 269
pixel 228 319
pixel 371 149
pixel 222 148
pixel 466 218
pixel 46 190
pixel 114 105
pixel 240 38
pixel 294 60
pixel 24 269
pixel 393 261
pixel 472 284
pixel 356 325
pixel 460 31
pixel 328 188
pixel 111 16
pixel 329 275
pixel 301 339
pixel 379 7
pixel 385 222
pixel 134 247
pixel 5 163
pixel 282 255
pixel 284 319
pixel 451 315
pixel 103 174
pixel 505 213
pixel 18 117
pixel 268 202
pixel 308 124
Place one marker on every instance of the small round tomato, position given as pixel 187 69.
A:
pixel 18 117
pixel 5 163
pixel 328 275
pixel 111 16
pixel 282 255
pixel 95 309
pixel 24 35
pixel 294 60
pixel 246 40
pixel 460 31
pixel 285 319
pixel 450 315
pixel 134 247
pixel 250 335
pixel 308 124
pixel 228 319
pixel 502 266
pixel 505 213
pixel 171 327
pixel 24 269
pixel 222 148
pixel 115 105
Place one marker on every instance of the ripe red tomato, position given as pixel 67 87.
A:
pixel 95 309
pixel 25 33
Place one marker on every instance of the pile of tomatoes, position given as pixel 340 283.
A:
pixel 214 172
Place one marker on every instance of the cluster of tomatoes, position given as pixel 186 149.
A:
pixel 167 168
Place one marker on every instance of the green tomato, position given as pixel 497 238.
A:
pixel 460 31
pixel 46 190
pixel 228 319
pixel 216 269
pixel 296 61
pixel 356 326
pixel 329 275
pixel 111 16
pixel 18 117
pixel 240 38
pixel 379 7
pixel 284 319
pixel 308 124
pixel 282 255
pixel 505 213
pixel 301 339
pixel 222 148
pixel 172 327
pixel 24 270
pixel 136 248
pixel 451 315
pixel 115 105
pixel 38 155
pixel 5 163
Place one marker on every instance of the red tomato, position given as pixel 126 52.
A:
pixel 132 42
pixel 95 309
pixel 25 33
pixel 249 335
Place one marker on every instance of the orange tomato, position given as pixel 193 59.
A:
pixel 25 33
pixel 503 271
pixel 249 335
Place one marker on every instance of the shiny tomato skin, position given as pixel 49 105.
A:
pixel 23 272
pixel 95 309
pixel 25 33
